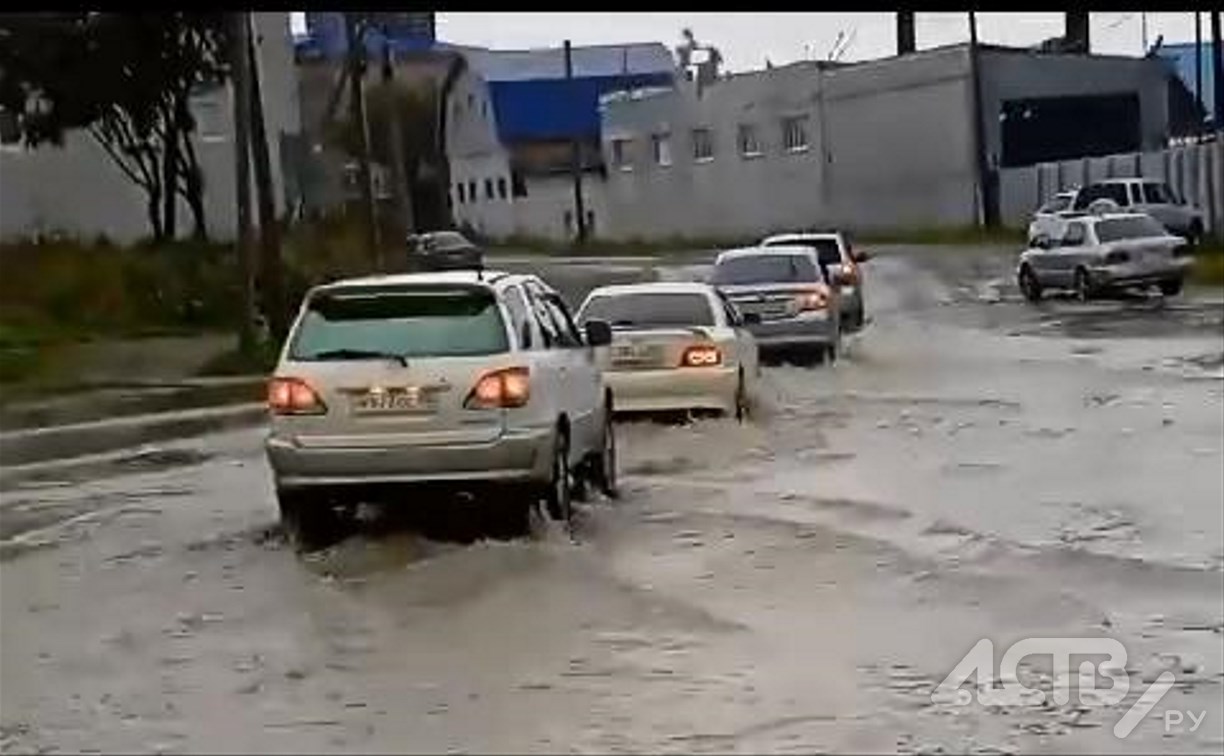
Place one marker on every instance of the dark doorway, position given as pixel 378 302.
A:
pixel 1050 129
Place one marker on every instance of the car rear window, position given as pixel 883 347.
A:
pixel 409 322
pixel 650 310
pixel 765 268
pixel 1119 229
pixel 828 250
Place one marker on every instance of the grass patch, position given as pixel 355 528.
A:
pixel 234 362
pixel 1208 267
pixel 954 236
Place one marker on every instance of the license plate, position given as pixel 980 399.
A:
pixel 637 355
pixel 392 400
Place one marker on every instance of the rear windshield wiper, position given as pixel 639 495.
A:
pixel 356 354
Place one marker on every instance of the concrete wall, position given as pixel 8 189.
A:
pixel 860 168
pixel 79 191
pixel 1191 171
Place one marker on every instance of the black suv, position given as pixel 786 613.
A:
pixel 443 250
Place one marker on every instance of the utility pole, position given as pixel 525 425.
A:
pixel 985 194
pixel 357 115
pixel 906 41
pixel 271 274
pixel 240 62
pixel 400 188
pixel 1217 72
pixel 1198 70
pixel 576 154
pixel 1143 32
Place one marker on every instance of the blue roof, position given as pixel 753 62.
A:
pixel 532 100
pixel 556 108
pixel 1181 60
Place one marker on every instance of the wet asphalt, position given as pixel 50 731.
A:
pixel 973 467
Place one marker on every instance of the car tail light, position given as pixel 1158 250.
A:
pixel 1117 257
pixel 850 273
pixel 701 356
pixel 294 396
pixel 500 389
pixel 816 299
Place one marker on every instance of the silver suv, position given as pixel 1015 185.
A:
pixel 461 378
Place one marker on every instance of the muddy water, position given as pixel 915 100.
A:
pixel 798 583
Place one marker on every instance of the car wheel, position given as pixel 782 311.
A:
pixel 832 351
pixel 308 520
pixel 1083 285
pixel 558 498
pixel 604 471
pixel 741 399
pixel 1172 287
pixel 1029 285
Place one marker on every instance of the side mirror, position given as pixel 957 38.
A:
pixel 860 256
pixel 598 333
pixel 751 318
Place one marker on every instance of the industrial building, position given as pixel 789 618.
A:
pixel 883 143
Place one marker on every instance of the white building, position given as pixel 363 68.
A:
pixel 78 190
pixel 510 124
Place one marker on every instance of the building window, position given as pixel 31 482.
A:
pixel 622 156
pixel 749 145
pixel 489 188
pixel 703 145
pixel 518 187
pixel 794 134
pixel 501 187
pixel 660 147
pixel 472 191
pixel 459 191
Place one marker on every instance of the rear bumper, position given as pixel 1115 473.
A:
pixel 516 456
pixel 805 331
pixel 673 389
pixel 1139 275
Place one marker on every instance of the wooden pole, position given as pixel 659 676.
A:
pixel 242 179
pixel 271 272
pixel 1198 70
pixel 357 114
pixel 401 189
pixel 985 195
pixel 576 153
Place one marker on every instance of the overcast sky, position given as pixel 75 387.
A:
pixel 747 39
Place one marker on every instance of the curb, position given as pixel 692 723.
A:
pixel 63 442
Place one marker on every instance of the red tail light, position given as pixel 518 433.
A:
pixel 850 273
pixel 701 356
pixel 294 396
pixel 816 299
pixel 509 387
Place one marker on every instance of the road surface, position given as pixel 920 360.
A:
pixel 972 468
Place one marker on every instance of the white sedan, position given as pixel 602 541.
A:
pixel 675 346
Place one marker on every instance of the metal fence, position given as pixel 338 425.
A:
pixel 1193 171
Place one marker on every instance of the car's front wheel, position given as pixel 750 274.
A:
pixel 1029 285
pixel 603 473
pixel 1171 287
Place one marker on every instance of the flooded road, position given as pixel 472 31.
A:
pixel 973 467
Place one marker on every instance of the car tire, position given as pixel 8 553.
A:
pixel 1172 287
pixel 741 399
pixel 308 520
pixel 1083 285
pixel 1029 285
pixel 558 496
pixel 603 470
pixel 832 351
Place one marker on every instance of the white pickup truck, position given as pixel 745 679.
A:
pixel 1136 195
